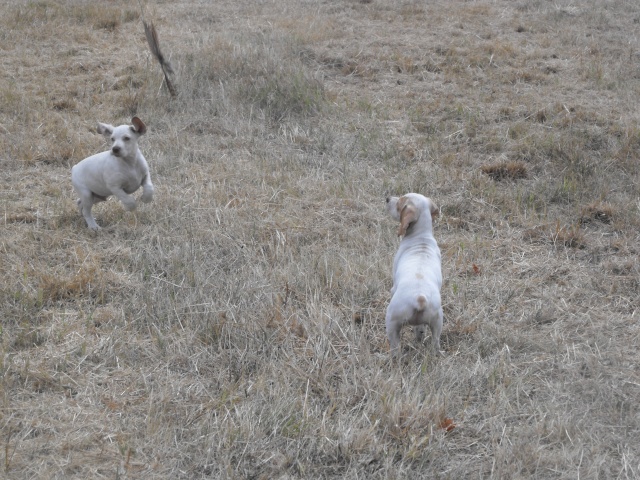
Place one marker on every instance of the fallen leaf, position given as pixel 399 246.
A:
pixel 447 424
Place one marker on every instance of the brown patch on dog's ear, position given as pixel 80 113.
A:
pixel 408 215
pixel 400 204
pixel 104 129
pixel 138 126
pixel 435 211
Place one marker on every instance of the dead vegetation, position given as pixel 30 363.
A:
pixel 234 328
pixel 505 170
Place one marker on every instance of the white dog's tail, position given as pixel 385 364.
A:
pixel 422 303
pixel 425 307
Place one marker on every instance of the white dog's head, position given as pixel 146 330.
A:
pixel 124 139
pixel 410 209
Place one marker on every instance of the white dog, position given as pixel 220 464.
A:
pixel 417 273
pixel 119 171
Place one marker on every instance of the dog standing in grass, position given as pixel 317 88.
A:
pixel 119 171
pixel 417 272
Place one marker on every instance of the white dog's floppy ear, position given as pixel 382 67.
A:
pixel 408 215
pixel 105 128
pixel 138 126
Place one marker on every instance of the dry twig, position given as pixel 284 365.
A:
pixel 154 46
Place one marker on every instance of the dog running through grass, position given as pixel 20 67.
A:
pixel 119 171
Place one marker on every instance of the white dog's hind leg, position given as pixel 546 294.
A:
pixel 393 333
pixel 418 331
pixel 436 330
pixel 85 204
pixel 421 305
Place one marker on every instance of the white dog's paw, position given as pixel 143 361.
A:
pixel 129 206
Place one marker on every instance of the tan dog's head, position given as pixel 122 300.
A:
pixel 409 208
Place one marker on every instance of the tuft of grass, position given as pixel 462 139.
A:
pixel 568 236
pixel 509 170
pixel 597 211
pixel 104 17
pixel 87 281
pixel 261 77
pixel 557 234
pixel 282 94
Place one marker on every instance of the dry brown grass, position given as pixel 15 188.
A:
pixel 512 170
pixel 234 328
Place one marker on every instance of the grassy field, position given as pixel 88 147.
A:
pixel 234 328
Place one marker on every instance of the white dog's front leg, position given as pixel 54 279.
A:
pixel 127 200
pixel 147 190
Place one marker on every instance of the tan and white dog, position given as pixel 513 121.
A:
pixel 417 272
pixel 119 171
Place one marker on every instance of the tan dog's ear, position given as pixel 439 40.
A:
pixel 435 211
pixel 408 215
pixel 138 126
